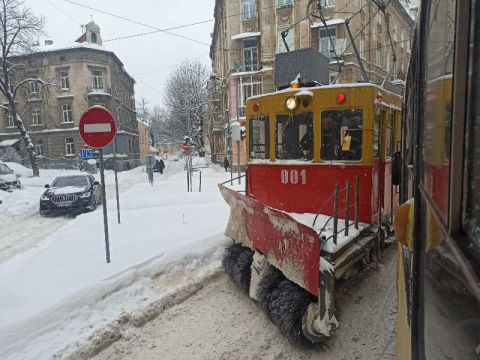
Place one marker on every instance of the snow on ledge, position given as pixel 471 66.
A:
pixel 328 22
pixel 245 35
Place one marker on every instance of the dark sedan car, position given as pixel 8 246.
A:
pixel 71 194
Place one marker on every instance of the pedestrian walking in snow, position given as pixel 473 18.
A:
pixel 226 164
pixel 161 166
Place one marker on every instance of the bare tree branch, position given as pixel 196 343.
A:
pixel 19 29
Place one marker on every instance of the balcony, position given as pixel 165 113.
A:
pixel 242 67
pixel 100 92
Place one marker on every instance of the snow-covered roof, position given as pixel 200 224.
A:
pixel 10 142
pixel 245 35
pixel 328 22
pixel 68 46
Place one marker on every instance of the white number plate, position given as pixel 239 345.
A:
pixel 293 177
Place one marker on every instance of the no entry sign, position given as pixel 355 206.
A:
pixel 97 127
pixel 97 130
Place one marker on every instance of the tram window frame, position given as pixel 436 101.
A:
pixel 301 119
pixel 389 132
pixel 327 136
pixel 376 134
pixel 266 144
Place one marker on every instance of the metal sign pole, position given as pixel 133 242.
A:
pixel 116 176
pixel 104 205
pixel 238 163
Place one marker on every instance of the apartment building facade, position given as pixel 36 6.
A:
pixel 248 35
pixel 78 76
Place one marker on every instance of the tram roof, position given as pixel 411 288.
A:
pixel 322 87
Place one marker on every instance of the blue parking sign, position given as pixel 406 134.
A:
pixel 86 153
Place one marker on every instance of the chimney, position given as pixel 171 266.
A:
pixel 48 42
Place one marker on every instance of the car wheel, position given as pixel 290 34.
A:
pixel 93 205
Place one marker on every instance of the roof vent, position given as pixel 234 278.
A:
pixel 48 42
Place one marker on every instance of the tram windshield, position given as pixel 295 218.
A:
pixel 294 137
pixel 342 132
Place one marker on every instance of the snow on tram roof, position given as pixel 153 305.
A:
pixel 334 86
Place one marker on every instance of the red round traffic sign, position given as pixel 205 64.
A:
pixel 186 147
pixel 97 127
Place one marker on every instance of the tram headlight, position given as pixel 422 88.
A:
pixel 291 103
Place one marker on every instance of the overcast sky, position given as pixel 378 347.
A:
pixel 149 58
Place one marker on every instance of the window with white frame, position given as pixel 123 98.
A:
pixel 39 147
pixel 362 45
pixel 64 80
pixel 394 31
pixel 67 116
pixel 33 87
pixel 250 54
pixel 387 60
pixel 378 55
pixel 36 117
pixel 11 123
pixel 249 8
pixel 327 37
pixel 284 3
pixel 402 40
pixel 97 79
pixel 325 3
pixel 289 39
pixel 247 87
pixel 333 77
pixel 69 146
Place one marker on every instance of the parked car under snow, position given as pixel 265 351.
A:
pixel 71 194
pixel 8 179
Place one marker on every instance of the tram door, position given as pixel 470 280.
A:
pixel 390 198
pixel 377 172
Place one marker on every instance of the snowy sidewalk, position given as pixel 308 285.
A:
pixel 63 291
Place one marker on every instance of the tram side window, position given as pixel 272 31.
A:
pixel 294 137
pixel 342 134
pixel 259 137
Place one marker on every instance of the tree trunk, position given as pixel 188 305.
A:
pixel 26 140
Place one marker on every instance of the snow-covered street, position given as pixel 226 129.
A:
pixel 58 292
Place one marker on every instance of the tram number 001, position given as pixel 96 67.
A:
pixel 293 177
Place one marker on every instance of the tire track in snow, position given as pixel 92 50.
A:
pixel 21 233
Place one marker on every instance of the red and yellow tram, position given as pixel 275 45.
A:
pixel 319 187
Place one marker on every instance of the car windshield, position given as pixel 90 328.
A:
pixel 78 181
pixel 4 169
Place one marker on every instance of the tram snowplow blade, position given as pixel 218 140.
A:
pixel 280 258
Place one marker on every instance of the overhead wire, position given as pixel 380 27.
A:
pixel 63 12
pixel 155 29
